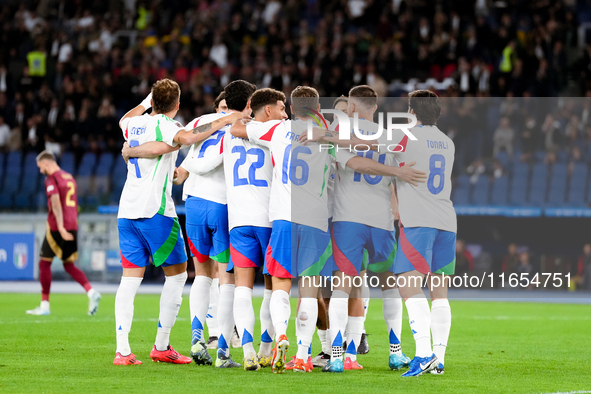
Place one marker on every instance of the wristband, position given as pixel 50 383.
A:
pixel 147 102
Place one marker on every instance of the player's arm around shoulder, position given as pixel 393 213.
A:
pixel 262 133
pixel 148 149
pixel 205 157
pixel 405 173
pixel 238 128
pixel 200 132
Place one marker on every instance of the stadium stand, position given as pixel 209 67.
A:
pixel 86 69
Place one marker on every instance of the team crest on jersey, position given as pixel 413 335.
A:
pixel 20 253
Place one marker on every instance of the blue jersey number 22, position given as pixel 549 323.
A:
pixel 260 161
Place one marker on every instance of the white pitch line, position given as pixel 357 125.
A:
pixel 570 392
pixel 80 320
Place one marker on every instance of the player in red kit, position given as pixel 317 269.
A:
pixel 61 236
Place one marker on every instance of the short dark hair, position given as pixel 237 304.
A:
pixel 263 97
pixel 237 94
pixel 341 99
pixel 46 155
pixel 305 97
pixel 165 95
pixel 364 95
pixel 218 100
pixel 426 105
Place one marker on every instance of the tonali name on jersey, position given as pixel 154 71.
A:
pixel 148 187
pixel 248 171
pixel 362 198
pixel 300 173
pixel 429 204
pixel 206 174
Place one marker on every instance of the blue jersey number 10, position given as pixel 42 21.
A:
pixel 372 180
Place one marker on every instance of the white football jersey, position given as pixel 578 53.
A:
pixel 148 188
pixel 429 204
pixel 300 173
pixel 330 190
pixel 204 163
pixel 362 198
pixel 248 171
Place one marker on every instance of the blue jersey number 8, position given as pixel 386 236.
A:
pixel 436 170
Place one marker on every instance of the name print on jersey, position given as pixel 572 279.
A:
pixel 436 144
pixel 137 130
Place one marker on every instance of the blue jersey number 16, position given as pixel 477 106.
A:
pixel 289 170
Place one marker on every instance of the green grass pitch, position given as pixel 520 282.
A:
pixel 494 347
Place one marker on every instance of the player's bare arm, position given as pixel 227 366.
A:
pixel 201 132
pixel 56 207
pixel 180 175
pixel 149 149
pixel 139 110
pixel 371 167
pixel 238 129
pixel 202 165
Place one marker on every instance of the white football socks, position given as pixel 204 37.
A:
pixel 280 312
pixel 244 318
pixel 440 326
pixel 392 310
pixel 267 329
pixel 198 304
pixel 419 317
pixel 225 318
pixel 365 293
pixel 322 335
pixel 306 324
pixel 354 331
pixel 170 303
pixel 124 311
pixel 212 312
pixel 337 315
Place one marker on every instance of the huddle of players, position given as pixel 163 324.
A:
pixel 257 196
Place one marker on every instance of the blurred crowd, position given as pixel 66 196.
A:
pixel 491 134
pixel 520 260
pixel 69 69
